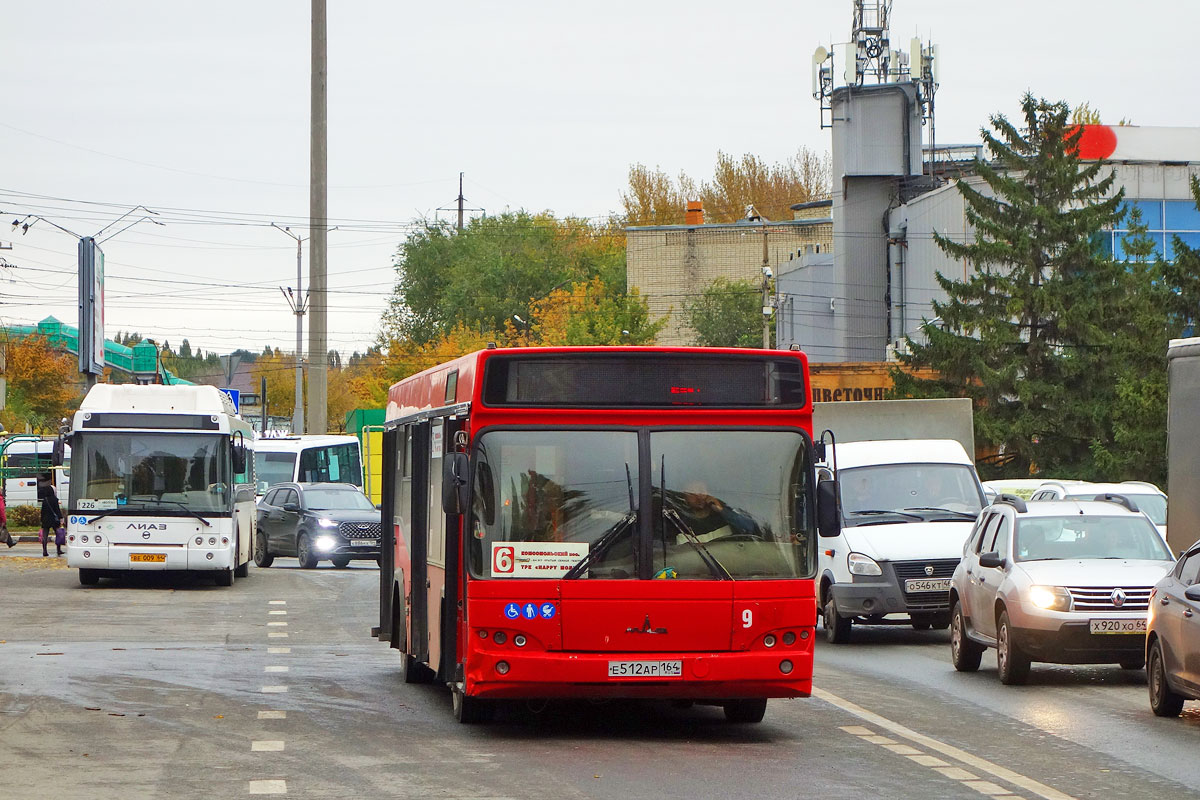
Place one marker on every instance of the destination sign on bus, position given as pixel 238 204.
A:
pixel 535 559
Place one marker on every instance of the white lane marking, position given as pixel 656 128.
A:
pixel 274 635
pixel 268 787
pixel 988 788
pixel 265 746
pixel 995 770
pixel 929 761
pixel 858 730
pixel 956 773
pixel 277 602
pixel 275 669
pixel 274 689
pixel 279 650
pixel 903 749
pixel 878 739
pixel 272 715
pixel 277 612
pixel 277 624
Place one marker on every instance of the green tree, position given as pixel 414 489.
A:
pixel 1029 336
pixel 727 313
pixel 496 267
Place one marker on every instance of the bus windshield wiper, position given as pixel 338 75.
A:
pixel 182 505
pixel 716 567
pixel 601 544
pixel 609 536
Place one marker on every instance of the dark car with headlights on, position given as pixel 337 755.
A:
pixel 315 522
pixel 1173 637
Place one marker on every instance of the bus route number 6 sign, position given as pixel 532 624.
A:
pixel 503 560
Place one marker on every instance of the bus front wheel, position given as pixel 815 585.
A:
pixel 745 710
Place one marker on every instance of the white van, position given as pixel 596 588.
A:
pixel 907 507
pixel 23 461
pixel 318 458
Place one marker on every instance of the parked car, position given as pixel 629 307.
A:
pixel 1146 496
pixel 1173 637
pixel 317 521
pixel 1066 582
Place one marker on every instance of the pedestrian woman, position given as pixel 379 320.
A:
pixel 5 536
pixel 51 512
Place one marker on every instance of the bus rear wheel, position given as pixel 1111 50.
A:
pixel 470 710
pixel 89 577
pixel 745 711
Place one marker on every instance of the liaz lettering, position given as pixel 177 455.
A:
pixel 146 526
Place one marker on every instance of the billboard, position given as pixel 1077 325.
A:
pixel 91 307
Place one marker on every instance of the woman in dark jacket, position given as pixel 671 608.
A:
pixel 51 512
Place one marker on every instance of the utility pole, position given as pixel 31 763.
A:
pixel 767 305
pixel 318 347
pixel 460 205
pixel 299 304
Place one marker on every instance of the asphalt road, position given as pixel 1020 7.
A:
pixel 160 688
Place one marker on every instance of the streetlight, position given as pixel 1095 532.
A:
pixel 299 305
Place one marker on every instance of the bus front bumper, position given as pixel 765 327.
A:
pixel 705 676
pixel 149 558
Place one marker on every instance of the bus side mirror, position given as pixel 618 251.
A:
pixel 239 459
pixel 454 483
pixel 829 521
pixel 59 453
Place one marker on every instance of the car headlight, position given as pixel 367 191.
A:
pixel 862 565
pixel 327 523
pixel 1051 598
pixel 325 543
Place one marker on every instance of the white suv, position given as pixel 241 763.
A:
pixel 1066 582
pixel 1148 498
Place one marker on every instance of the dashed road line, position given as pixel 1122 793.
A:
pixel 277 602
pixel 279 650
pixel 272 714
pixel 266 746
pixel 277 635
pixel 274 689
pixel 282 613
pixel 277 624
pixel 268 787
pixel 274 668
pixel 962 756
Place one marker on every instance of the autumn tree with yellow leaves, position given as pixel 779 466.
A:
pixel 42 386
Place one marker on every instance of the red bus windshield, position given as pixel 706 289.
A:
pixel 648 504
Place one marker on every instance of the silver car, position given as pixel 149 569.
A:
pixel 1066 582
pixel 1173 640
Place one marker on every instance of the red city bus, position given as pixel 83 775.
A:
pixel 603 523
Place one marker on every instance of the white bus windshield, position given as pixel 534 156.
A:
pixel 273 468
pixel 168 473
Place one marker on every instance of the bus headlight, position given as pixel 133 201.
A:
pixel 325 543
pixel 327 523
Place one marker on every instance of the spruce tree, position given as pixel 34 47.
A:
pixel 1025 335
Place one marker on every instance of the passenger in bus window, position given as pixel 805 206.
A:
pixel 710 518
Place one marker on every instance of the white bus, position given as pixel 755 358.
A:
pixel 23 460
pixel 325 459
pixel 162 481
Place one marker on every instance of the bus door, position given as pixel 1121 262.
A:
pixel 418 599
pixel 435 532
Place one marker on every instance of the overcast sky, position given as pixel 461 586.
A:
pixel 200 112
